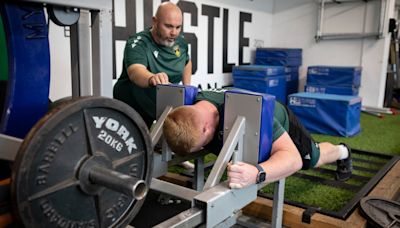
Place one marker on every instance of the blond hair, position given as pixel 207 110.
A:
pixel 182 129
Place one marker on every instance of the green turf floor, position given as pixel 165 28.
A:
pixel 380 135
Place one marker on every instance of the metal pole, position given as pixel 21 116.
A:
pixel 238 130
pixel 119 182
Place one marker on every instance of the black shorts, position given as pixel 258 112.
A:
pixel 308 149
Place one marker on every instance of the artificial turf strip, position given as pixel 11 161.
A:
pixel 306 192
pixel 380 135
pixel 322 195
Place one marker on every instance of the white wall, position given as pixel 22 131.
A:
pixel 277 23
pixel 295 25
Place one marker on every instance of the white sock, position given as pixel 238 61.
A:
pixel 344 153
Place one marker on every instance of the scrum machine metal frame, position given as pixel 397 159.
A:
pixel 214 204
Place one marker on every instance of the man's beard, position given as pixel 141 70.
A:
pixel 164 42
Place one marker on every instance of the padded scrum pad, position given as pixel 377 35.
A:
pixel 257 79
pixel 334 76
pixel 172 95
pixel 339 90
pixel 190 94
pixel 267 121
pixel 329 114
pixel 28 84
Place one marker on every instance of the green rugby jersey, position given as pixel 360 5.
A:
pixel 142 49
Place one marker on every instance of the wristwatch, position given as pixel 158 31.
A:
pixel 261 174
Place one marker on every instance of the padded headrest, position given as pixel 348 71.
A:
pixel 267 122
pixel 190 92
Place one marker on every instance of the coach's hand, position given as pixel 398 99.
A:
pixel 159 78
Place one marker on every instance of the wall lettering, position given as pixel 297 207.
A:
pixel 191 38
pixel 243 41
pixel 226 67
pixel 211 12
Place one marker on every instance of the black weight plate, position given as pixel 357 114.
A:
pixel 381 212
pixel 46 188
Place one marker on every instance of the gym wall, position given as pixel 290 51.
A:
pixel 203 25
pixel 237 27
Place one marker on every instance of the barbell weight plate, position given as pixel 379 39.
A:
pixel 26 100
pixel 46 188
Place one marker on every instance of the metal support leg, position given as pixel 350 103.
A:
pixel 198 178
pixel 80 56
pixel 277 210
pixel 101 51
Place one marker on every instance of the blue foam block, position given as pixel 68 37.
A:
pixel 329 114
pixel 277 61
pixel 257 70
pixel 259 79
pixel 278 56
pixel 279 52
pixel 334 76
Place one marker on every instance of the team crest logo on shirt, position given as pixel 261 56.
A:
pixel 177 50
pixel 155 53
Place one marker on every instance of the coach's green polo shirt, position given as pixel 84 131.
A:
pixel 142 49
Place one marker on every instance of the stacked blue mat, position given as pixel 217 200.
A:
pixel 328 114
pixel 262 79
pixel 333 80
pixel 291 58
pixel 330 104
